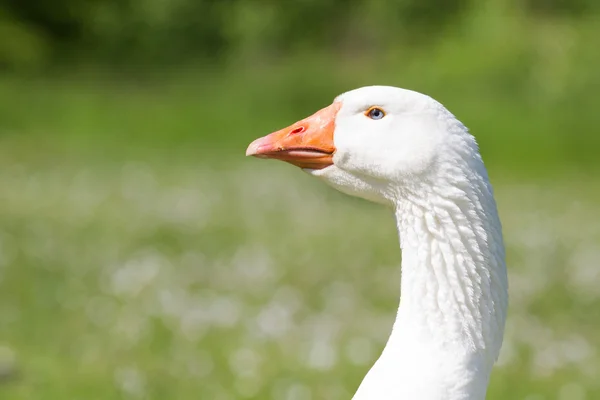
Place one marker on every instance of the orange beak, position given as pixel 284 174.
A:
pixel 307 143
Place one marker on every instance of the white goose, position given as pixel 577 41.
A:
pixel 404 149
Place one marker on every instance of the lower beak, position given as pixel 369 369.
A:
pixel 307 143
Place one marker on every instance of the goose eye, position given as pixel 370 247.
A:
pixel 375 113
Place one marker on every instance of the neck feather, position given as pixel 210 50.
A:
pixel 450 322
pixel 454 284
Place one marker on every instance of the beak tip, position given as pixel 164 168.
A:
pixel 253 148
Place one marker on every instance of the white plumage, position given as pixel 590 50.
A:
pixel 420 160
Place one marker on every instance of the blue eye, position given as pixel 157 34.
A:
pixel 375 113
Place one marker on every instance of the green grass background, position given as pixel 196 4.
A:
pixel 143 256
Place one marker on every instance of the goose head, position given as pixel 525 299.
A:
pixel 373 142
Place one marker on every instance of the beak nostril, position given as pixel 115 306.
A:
pixel 297 130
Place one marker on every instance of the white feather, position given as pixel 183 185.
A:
pixel 423 162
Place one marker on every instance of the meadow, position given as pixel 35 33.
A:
pixel 142 256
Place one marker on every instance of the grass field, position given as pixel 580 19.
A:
pixel 172 280
pixel 142 256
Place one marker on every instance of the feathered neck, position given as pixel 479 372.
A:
pixel 454 292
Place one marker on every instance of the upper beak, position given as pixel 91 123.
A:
pixel 307 143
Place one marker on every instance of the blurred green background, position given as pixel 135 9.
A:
pixel 142 256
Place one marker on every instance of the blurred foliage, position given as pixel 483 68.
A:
pixel 519 74
pixel 36 33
